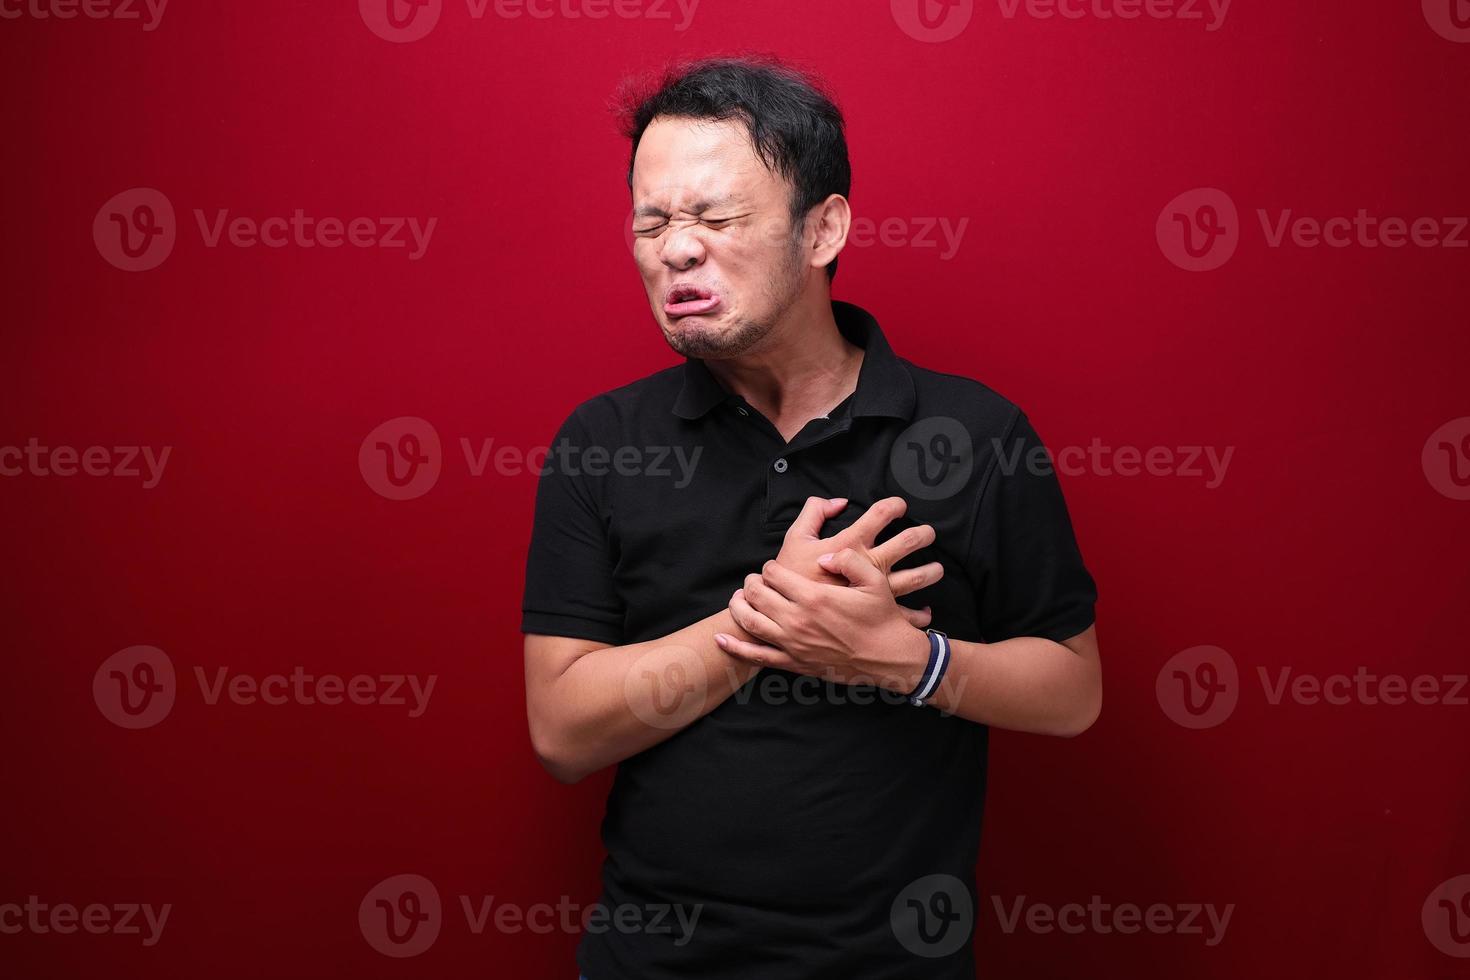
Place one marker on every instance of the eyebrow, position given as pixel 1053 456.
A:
pixel 698 207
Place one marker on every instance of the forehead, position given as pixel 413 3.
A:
pixel 703 161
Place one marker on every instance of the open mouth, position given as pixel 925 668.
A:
pixel 687 299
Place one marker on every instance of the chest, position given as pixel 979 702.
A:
pixel 685 532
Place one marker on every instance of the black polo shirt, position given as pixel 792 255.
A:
pixel 817 830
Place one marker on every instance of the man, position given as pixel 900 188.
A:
pixel 801 758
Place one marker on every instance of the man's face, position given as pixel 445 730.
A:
pixel 708 215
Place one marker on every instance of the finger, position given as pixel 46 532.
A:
pixel 765 598
pixel 908 580
pixel 855 566
pixel 816 511
pixel 876 518
pixel 755 653
pixel 918 617
pixel 792 587
pixel 757 624
pixel 902 544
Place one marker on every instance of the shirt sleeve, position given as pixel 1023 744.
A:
pixel 1029 569
pixel 570 589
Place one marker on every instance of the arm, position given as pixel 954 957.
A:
pixel 1027 683
pixel 591 705
pixel 856 635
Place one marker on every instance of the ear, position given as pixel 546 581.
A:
pixel 828 223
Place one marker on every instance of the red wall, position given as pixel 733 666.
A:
pixel 1333 545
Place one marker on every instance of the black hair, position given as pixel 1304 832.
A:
pixel 795 127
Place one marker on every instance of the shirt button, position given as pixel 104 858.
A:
pixel 781 465
pixel 741 410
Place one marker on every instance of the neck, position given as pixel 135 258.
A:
pixel 801 370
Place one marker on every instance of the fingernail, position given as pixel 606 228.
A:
pixel 721 639
pixel 826 557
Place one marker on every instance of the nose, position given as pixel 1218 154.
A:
pixel 681 249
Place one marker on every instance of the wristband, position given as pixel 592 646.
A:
pixel 934 672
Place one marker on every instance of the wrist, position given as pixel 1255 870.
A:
pixel 914 646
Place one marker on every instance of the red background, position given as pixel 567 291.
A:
pixel 1325 548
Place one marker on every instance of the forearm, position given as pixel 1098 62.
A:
pixel 614 702
pixel 1026 684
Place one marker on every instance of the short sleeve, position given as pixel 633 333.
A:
pixel 1028 567
pixel 569 565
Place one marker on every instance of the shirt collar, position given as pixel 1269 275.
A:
pixel 884 387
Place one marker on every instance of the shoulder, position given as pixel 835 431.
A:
pixel 628 405
pixel 983 412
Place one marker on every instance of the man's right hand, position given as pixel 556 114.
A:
pixel 803 546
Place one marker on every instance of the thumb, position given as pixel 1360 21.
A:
pixel 816 511
pixel 855 566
